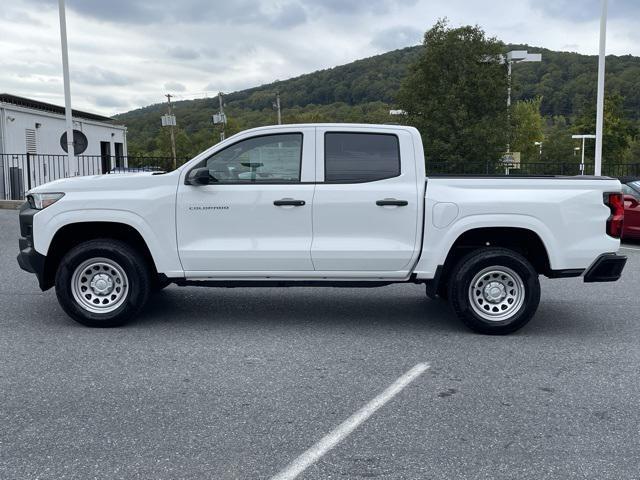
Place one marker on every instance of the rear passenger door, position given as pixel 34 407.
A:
pixel 366 205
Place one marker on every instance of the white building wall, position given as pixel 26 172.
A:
pixel 52 126
pixel 48 164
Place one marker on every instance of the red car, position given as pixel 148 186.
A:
pixel 631 190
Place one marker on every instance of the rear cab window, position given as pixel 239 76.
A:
pixel 355 157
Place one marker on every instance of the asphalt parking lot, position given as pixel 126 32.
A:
pixel 237 383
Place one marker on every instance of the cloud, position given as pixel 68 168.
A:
pixel 289 16
pixel 109 101
pixel 587 10
pixel 396 37
pixel 97 76
pixel 353 7
pixel 175 87
pixel 182 53
pixel 126 54
pixel 147 12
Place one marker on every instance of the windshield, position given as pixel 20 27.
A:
pixel 635 185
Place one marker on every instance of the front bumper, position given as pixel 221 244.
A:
pixel 606 268
pixel 29 259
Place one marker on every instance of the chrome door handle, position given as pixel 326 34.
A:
pixel 289 202
pixel 392 202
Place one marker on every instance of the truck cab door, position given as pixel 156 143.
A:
pixel 366 206
pixel 253 217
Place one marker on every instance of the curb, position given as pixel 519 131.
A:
pixel 10 204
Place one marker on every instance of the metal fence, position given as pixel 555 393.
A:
pixel 23 171
pixel 20 172
pixel 524 169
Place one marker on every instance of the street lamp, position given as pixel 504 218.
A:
pixel 583 138
pixel 600 101
pixel 516 56
pixel 539 144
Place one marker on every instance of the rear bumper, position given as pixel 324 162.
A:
pixel 606 268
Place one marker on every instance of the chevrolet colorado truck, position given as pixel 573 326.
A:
pixel 319 205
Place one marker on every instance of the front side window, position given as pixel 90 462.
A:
pixel 360 157
pixel 265 159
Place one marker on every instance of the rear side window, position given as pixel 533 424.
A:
pixel 360 157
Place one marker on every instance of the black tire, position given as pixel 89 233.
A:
pixel 129 270
pixel 160 283
pixel 440 294
pixel 500 276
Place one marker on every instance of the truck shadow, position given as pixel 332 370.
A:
pixel 384 306
pixel 387 307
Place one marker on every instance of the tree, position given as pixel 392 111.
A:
pixel 632 155
pixel 455 95
pixel 617 132
pixel 558 145
pixel 527 127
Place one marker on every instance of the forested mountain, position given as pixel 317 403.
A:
pixel 365 90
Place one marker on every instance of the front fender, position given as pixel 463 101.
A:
pixel 160 239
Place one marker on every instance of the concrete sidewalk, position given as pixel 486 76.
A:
pixel 10 204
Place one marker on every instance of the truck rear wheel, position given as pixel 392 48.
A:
pixel 102 283
pixel 494 291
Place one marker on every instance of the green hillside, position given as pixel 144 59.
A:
pixel 364 91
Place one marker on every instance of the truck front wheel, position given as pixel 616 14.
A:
pixel 102 283
pixel 494 291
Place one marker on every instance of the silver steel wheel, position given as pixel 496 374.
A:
pixel 99 285
pixel 496 293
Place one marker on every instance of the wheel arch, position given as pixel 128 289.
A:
pixel 522 240
pixel 72 234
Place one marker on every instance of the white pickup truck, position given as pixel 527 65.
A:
pixel 319 205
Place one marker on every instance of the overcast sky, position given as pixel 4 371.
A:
pixel 128 53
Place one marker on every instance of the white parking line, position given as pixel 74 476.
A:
pixel 630 248
pixel 317 451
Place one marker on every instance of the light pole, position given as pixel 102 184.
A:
pixel 600 101
pixel 71 154
pixel 583 138
pixel 516 56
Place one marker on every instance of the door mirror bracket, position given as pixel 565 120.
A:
pixel 199 176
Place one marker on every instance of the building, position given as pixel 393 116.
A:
pixel 35 128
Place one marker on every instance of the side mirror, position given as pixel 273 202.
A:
pixel 631 199
pixel 198 176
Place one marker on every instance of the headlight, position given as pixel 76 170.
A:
pixel 43 200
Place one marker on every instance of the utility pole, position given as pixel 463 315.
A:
pixel 173 137
pixel 72 160
pixel 222 117
pixel 277 105
pixel 600 101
